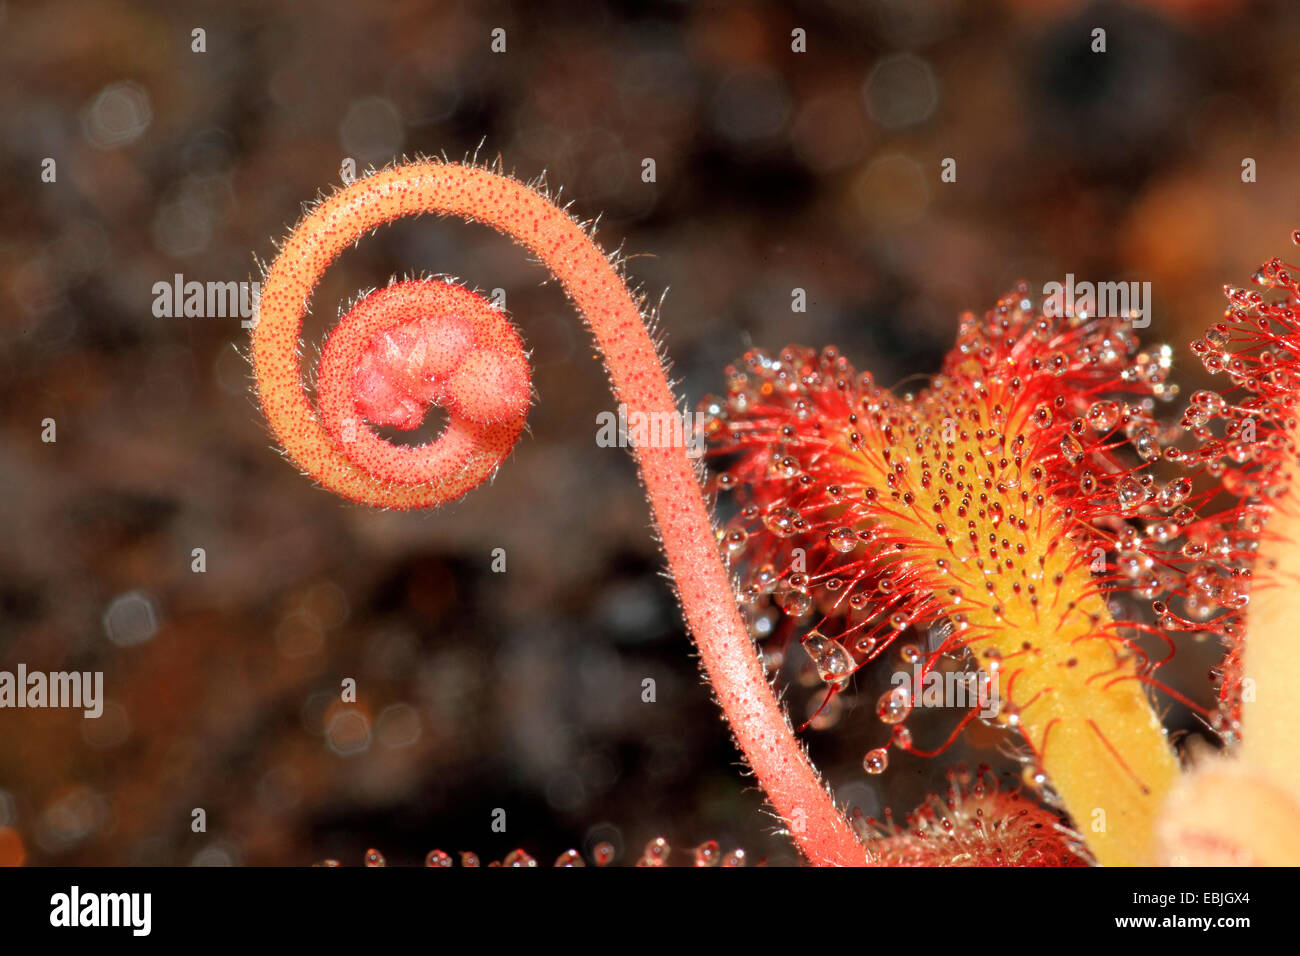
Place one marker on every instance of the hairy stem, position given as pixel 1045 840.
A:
pixel 677 504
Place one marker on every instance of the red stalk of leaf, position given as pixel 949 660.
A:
pixel 481 433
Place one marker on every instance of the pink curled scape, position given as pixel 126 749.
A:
pixel 415 343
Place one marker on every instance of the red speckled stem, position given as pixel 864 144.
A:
pixel 760 727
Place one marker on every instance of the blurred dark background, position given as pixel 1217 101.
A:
pixel 520 691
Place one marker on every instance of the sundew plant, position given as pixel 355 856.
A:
pixel 1047 520
pixel 673 435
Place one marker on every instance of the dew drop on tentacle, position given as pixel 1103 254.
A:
pixel 707 854
pixel 1071 449
pixel 876 761
pixel 656 853
pixel 735 858
pixel 832 661
pixel 1103 416
pixel 518 858
pixel 795 603
pixel 894 705
pixel 843 539
pixel 782 521
pixel 1129 494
